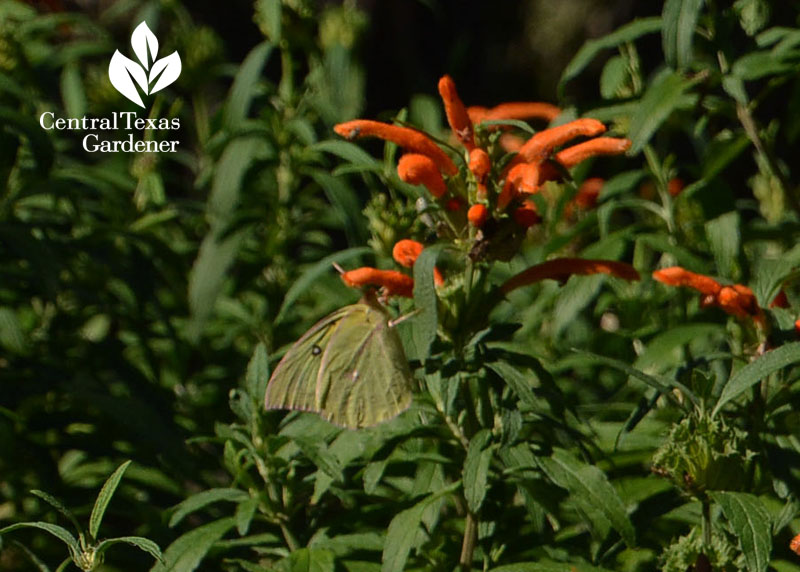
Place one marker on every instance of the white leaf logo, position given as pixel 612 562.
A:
pixel 125 74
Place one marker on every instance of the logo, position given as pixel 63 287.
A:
pixel 151 76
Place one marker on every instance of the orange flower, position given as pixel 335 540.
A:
pixel 456 113
pixel 541 145
pixel 737 300
pixel 419 169
pixel 526 216
pixel 511 143
pixel 522 178
pixel 477 215
pixel 406 252
pixel 522 110
pixel 562 268
pixel 794 545
pixel 479 164
pixel 409 139
pixel 677 276
pixel 571 156
pixel 394 283
pixel 589 192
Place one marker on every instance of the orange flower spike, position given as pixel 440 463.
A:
pixel 409 139
pixel 542 144
pixel 419 169
pixel 457 115
pixel 511 143
pixel 562 268
pixel 521 178
pixel 794 545
pixel 797 331
pixel 526 216
pixel 677 276
pixel 477 215
pixel 477 113
pixel 394 283
pixel 406 252
pixel 482 191
pixel 479 164
pixel 739 300
pixel 571 156
pixel 522 110
pixel 589 192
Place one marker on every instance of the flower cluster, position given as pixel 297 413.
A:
pixel 484 195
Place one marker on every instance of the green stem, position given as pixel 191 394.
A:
pixel 706 524
pixel 468 544
pixel 291 541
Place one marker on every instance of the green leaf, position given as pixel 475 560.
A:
pixel 244 85
pixel 591 48
pixel 517 381
pixel 349 152
pixel 476 469
pixel 205 498
pixel 245 511
pixel 144 544
pixel 664 95
pixel 186 553
pixel 751 523
pixel 59 532
pixel 662 384
pixel 723 236
pixel 40 566
pixel 101 504
pixel 313 274
pixel 590 488
pixel 345 202
pixel 679 19
pixel 402 532
pixel 257 375
pixel 12 336
pixel 344 544
pixel 612 79
pixel 72 92
pixel 309 560
pixel 757 370
pixel 548 566
pixel 59 506
pixel 426 323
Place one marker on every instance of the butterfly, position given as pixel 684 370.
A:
pixel 350 368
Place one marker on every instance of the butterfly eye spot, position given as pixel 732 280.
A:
pixel 316 350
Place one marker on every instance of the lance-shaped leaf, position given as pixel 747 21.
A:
pixel 143 40
pixel 169 69
pixel 120 72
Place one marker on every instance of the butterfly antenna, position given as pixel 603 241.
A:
pixel 338 268
pixel 401 319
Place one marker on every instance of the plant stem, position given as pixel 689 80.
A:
pixel 291 541
pixel 706 523
pixel 468 544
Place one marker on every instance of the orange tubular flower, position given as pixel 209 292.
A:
pixel 794 545
pixel 454 205
pixel 457 115
pixel 511 143
pixel 394 283
pixel 479 164
pixel 477 215
pixel 477 113
pixel 539 147
pixel 780 301
pixel 588 193
pixel 522 178
pixel 419 169
pixel 562 268
pixel 409 139
pixel 737 300
pixel 675 186
pixel 526 216
pixel 677 276
pixel 571 156
pixel 406 252
pixel 522 110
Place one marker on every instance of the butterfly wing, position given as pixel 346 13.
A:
pixel 364 377
pixel 293 383
pixel 350 368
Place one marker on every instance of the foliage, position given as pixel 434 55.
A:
pixel 586 423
